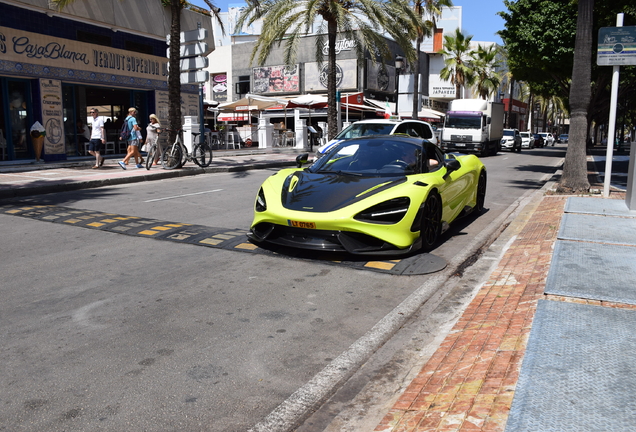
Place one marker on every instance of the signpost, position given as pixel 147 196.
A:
pixel 192 56
pixel 616 46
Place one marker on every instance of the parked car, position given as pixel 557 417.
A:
pixel 563 138
pixel 548 138
pixel 373 195
pixel 538 140
pixel 526 140
pixel 511 140
pixel 413 128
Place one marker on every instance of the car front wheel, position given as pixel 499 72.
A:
pixel 431 221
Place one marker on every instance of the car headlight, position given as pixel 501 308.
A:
pixel 388 212
pixel 261 204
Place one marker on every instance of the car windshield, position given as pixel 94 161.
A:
pixel 376 157
pixel 365 129
pixel 462 121
pixel 509 132
pixel 525 135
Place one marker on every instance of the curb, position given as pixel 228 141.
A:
pixel 73 185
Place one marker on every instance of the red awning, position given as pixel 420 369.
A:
pixel 232 117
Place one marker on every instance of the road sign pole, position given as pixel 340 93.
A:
pixel 609 153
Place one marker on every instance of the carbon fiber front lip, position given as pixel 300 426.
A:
pixel 328 241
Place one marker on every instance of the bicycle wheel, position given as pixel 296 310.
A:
pixel 185 156
pixel 202 155
pixel 172 157
pixel 150 157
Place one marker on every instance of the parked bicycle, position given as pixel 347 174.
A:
pixel 176 155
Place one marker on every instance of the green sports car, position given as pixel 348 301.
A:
pixel 377 195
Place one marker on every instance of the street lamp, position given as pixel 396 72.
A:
pixel 399 64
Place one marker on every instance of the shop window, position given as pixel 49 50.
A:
pixel 243 85
pixel 94 38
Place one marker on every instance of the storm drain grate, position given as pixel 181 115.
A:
pixel 598 206
pixel 600 229
pixel 593 271
pixel 578 372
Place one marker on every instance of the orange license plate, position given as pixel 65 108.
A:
pixel 298 224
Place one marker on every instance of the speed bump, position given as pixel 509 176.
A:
pixel 221 238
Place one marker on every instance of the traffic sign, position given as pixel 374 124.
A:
pixel 191 36
pixel 196 77
pixel 192 63
pixel 199 48
pixel 616 46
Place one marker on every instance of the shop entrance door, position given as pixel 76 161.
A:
pixel 15 120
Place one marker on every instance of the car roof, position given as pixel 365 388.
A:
pixel 392 137
pixel 387 121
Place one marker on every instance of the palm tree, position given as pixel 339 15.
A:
pixel 575 167
pixel 174 74
pixel 364 21
pixel 433 10
pixel 484 62
pixel 457 67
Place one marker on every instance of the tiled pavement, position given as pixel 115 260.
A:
pixel 469 382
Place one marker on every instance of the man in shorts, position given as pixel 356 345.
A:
pixel 133 140
pixel 98 138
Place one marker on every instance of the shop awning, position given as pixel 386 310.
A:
pixel 233 117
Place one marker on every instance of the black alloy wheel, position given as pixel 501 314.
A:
pixel 431 221
pixel 481 192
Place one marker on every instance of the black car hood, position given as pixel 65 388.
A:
pixel 318 192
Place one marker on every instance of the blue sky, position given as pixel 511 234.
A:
pixel 480 18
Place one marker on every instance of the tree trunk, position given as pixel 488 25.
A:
pixel 510 99
pixel 332 110
pixel 575 167
pixel 416 82
pixel 174 79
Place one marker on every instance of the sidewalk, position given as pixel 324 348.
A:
pixel 470 381
pixel 18 180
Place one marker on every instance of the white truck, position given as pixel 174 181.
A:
pixel 473 125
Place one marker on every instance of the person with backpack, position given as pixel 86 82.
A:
pixel 129 133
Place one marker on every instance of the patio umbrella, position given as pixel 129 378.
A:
pixel 252 102
pixel 308 101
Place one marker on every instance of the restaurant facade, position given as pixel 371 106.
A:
pixel 57 65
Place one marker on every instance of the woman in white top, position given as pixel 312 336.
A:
pixel 153 130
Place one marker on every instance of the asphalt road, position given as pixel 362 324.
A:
pixel 103 331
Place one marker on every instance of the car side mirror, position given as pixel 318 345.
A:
pixel 302 159
pixel 451 165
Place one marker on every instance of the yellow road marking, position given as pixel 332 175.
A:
pixel 380 265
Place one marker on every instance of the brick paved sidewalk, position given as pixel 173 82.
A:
pixel 469 383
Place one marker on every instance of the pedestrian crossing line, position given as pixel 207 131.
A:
pixel 220 238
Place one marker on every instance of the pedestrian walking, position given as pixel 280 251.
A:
pixel 152 136
pixel 133 140
pixel 98 138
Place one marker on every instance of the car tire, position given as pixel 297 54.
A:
pixel 431 226
pixel 480 199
